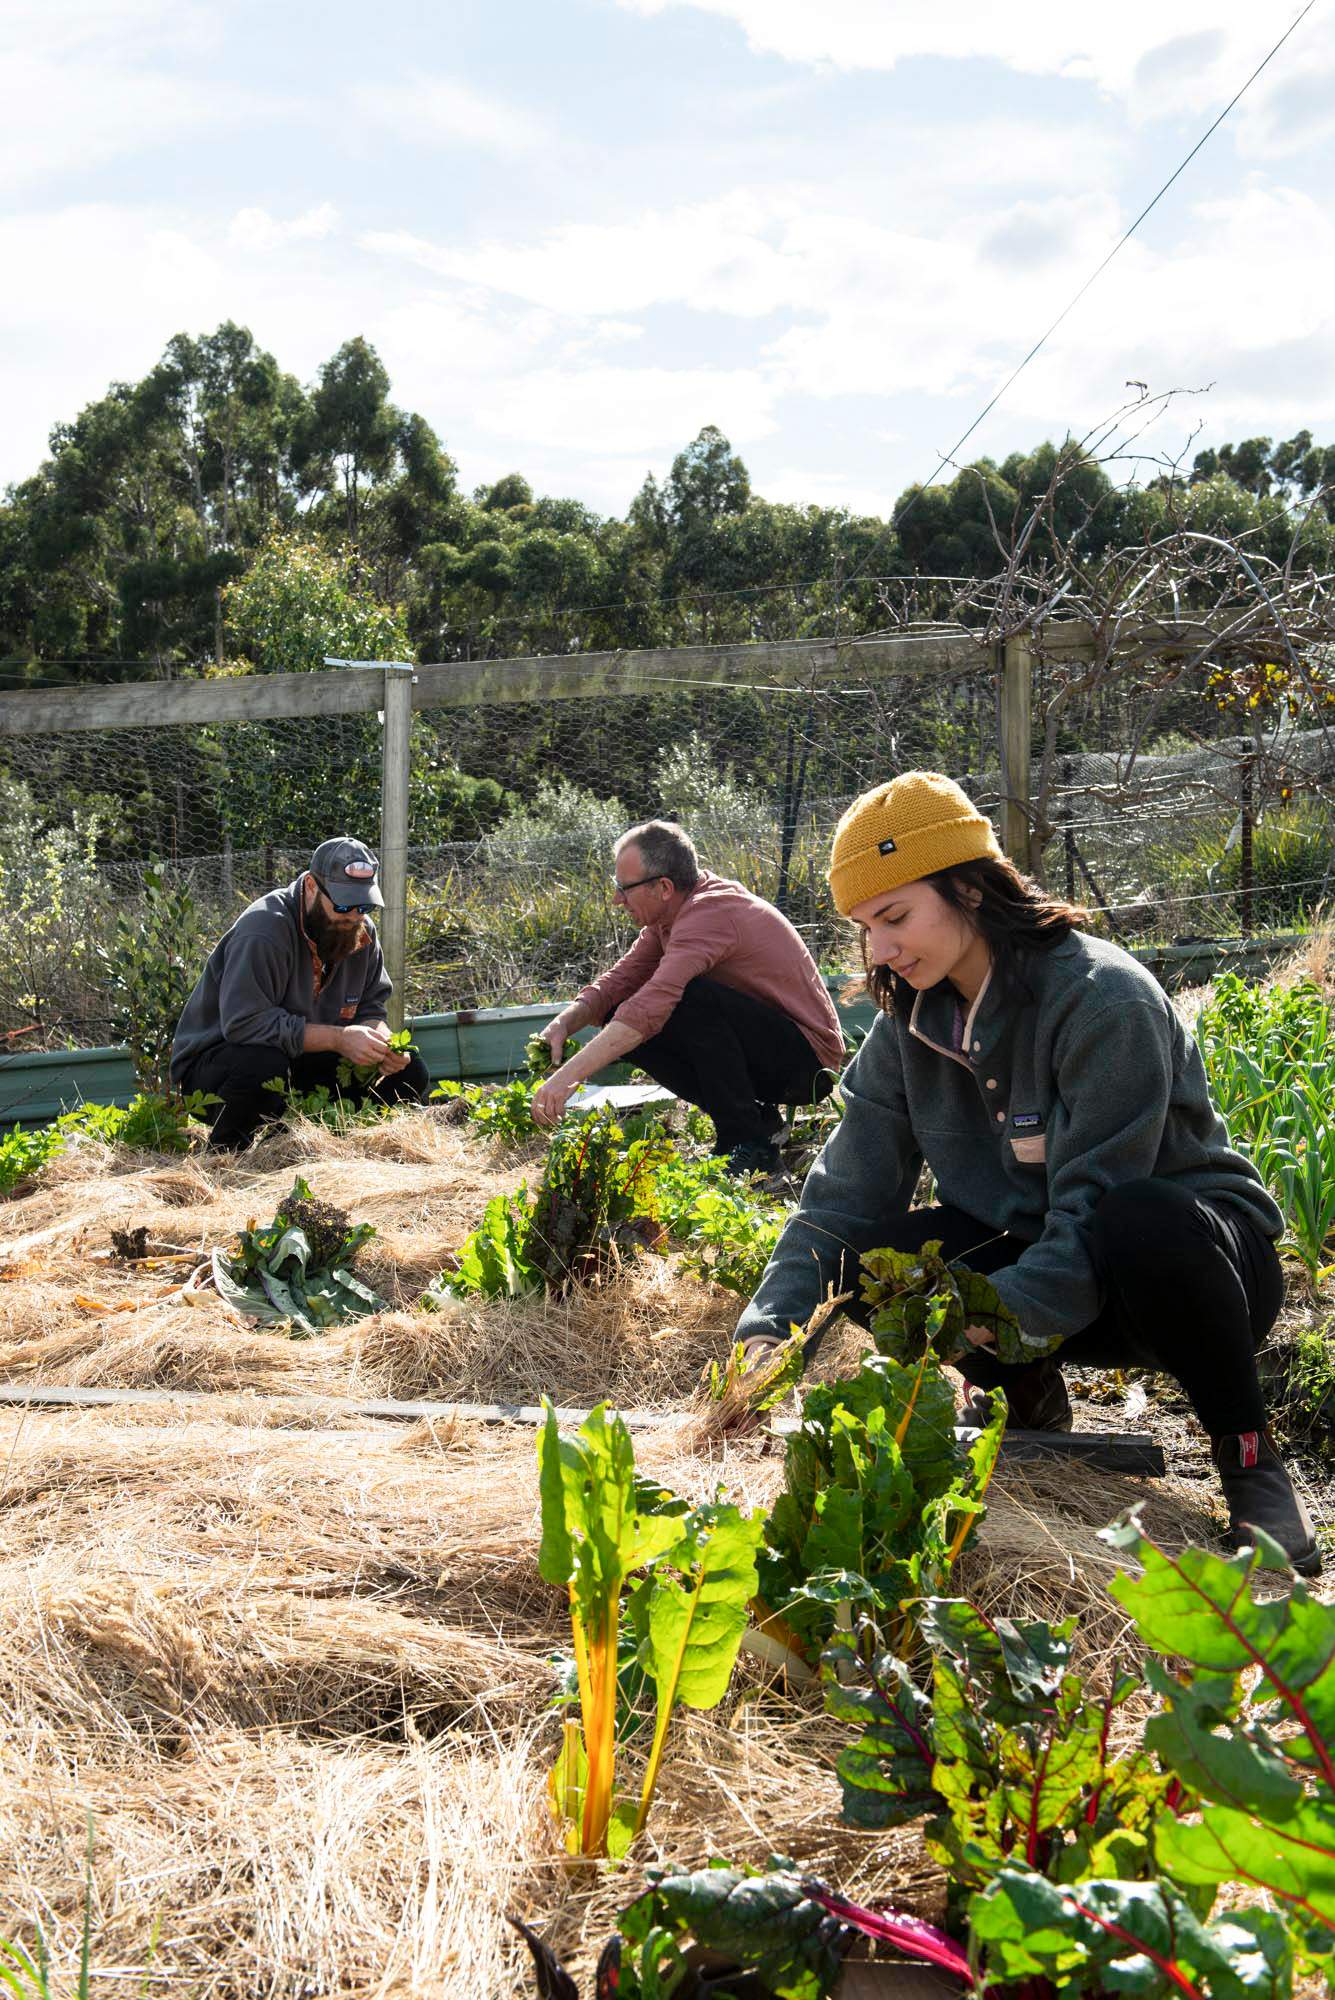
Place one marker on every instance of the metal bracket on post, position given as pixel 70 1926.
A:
pixel 397 716
pixel 1015 725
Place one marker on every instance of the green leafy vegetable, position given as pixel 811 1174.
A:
pixel 879 1497
pixel 298 1268
pixel 602 1523
pixel 365 1074
pixel 1266 1773
pixel 921 1302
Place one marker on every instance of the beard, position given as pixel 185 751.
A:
pixel 334 937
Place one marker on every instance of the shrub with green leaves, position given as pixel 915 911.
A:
pixel 149 967
pixel 25 1153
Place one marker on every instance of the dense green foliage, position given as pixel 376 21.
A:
pixel 1270 1058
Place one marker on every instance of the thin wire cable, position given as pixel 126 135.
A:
pixel 1119 245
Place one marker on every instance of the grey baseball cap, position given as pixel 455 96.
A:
pixel 346 870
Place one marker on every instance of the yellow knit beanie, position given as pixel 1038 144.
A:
pixel 899 832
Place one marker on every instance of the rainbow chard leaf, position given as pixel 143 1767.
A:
pixel 1141 1938
pixel 1266 1775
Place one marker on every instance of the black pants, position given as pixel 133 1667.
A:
pixel 238 1071
pixel 730 1053
pixel 1191 1288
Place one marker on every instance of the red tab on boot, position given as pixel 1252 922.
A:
pixel 1249 1449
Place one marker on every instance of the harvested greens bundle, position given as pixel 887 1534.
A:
pixel 299 1267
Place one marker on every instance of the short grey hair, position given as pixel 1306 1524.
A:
pixel 665 849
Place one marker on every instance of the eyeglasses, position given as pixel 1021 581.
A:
pixel 624 888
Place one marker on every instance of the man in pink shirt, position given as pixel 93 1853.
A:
pixel 718 997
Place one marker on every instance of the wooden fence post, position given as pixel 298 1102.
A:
pixel 1015 733
pixel 393 926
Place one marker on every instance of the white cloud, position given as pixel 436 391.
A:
pixel 256 229
pixel 72 117
pixel 1114 47
pixel 629 410
pixel 717 256
pixel 441 111
pixel 801 486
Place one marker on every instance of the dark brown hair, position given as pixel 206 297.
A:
pixel 1013 914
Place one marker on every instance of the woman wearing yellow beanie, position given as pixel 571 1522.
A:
pixel 1044 1078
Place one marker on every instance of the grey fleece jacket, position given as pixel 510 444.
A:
pixel 1051 1098
pixel 259 984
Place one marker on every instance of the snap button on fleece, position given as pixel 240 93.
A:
pixel 1001 1118
pixel 976 1047
pixel 991 1083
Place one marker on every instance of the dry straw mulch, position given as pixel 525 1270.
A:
pixel 295 1664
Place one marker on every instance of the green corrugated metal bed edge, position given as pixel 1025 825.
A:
pixel 487 1043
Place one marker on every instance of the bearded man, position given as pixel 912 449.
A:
pixel 297 986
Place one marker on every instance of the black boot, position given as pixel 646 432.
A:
pixel 1036 1398
pixel 1260 1494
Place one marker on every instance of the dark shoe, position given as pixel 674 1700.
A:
pixel 1036 1398
pixel 1260 1494
pixel 754 1158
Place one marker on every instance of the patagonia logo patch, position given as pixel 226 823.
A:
pixel 886 846
pixel 1027 1121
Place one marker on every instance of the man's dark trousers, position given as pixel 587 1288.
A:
pixel 238 1071
pixel 732 1054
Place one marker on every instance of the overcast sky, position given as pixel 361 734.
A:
pixel 578 230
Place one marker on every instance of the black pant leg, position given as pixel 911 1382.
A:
pixel 730 1053
pixel 237 1072
pixel 1191 1288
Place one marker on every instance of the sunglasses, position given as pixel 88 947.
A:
pixel 346 909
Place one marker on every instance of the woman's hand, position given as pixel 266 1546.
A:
pixel 980 1336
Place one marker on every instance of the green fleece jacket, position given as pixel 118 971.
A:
pixel 1027 1113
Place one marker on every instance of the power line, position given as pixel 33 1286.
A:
pixel 1119 245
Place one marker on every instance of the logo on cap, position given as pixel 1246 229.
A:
pixel 361 871
pixel 886 846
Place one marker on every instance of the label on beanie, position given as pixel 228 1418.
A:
pixel 886 846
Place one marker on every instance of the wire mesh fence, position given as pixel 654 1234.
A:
pixel 514 807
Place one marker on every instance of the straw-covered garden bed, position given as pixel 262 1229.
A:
pixel 292 1663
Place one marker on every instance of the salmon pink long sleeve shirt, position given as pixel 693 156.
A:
pixel 722 932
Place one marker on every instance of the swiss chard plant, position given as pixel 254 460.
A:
pixel 920 1302
pixel 1264 1770
pixel 684 1578
pixel 594 1205
pixel 879 1498
pixel 297 1269
pixel 727 1228
pixel 771 1931
pixel 1007 1756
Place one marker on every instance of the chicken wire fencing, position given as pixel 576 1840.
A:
pixel 513 807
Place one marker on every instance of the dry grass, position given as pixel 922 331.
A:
pixel 295 1665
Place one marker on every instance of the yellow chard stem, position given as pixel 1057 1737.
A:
pixel 903 1428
